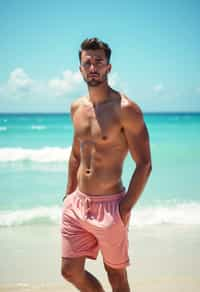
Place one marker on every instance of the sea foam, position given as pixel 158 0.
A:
pixel 38 127
pixel 30 216
pixel 3 129
pixel 46 154
pixel 181 214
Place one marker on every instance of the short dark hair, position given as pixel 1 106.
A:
pixel 95 44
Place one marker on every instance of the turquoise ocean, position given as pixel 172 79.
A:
pixel 34 151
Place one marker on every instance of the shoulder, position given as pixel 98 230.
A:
pixel 77 104
pixel 131 113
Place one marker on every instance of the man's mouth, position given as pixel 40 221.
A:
pixel 93 75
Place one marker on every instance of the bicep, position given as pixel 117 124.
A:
pixel 138 140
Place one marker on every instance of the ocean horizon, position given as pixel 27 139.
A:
pixel 63 113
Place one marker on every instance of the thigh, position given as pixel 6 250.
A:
pixel 76 241
pixel 113 242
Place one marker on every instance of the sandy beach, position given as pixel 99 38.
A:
pixel 163 258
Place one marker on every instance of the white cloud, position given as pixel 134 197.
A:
pixel 73 81
pixel 68 83
pixel 19 80
pixel 117 83
pixel 158 88
pixel 22 92
pixel 20 84
pixel 113 79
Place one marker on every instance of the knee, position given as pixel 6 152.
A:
pixel 68 272
pixel 117 277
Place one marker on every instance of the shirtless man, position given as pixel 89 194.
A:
pixel 96 210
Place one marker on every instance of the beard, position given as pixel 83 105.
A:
pixel 93 82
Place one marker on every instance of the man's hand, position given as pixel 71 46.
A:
pixel 124 213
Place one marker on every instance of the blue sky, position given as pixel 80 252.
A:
pixel 155 52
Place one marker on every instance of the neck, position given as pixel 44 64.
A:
pixel 99 94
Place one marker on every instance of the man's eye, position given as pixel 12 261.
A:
pixel 86 64
pixel 98 62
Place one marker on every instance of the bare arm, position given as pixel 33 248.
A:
pixel 73 165
pixel 138 143
pixel 74 162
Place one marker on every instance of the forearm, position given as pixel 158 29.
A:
pixel 72 174
pixel 136 186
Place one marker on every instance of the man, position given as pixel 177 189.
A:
pixel 96 211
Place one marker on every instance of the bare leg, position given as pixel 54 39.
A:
pixel 118 279
pixel 73 271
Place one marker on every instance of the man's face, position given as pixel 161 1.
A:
pixel 94 67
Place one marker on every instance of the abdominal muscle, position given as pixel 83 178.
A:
pixel 101 169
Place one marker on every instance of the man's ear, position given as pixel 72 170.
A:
pixel 80 68
pixel 109 68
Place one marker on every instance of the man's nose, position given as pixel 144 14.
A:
pixel 92 67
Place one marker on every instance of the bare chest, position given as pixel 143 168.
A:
pixel 96 125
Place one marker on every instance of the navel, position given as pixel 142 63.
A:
pixel 104 137
pixel 88 171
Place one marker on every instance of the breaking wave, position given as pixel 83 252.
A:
pixel 184 214
pixel 46 154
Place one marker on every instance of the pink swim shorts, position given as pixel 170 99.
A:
pixel 93 223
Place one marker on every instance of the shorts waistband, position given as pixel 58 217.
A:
pixel 100 198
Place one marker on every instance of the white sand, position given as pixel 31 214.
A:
pixel 163 258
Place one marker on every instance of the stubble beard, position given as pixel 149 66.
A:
pixel 94 82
